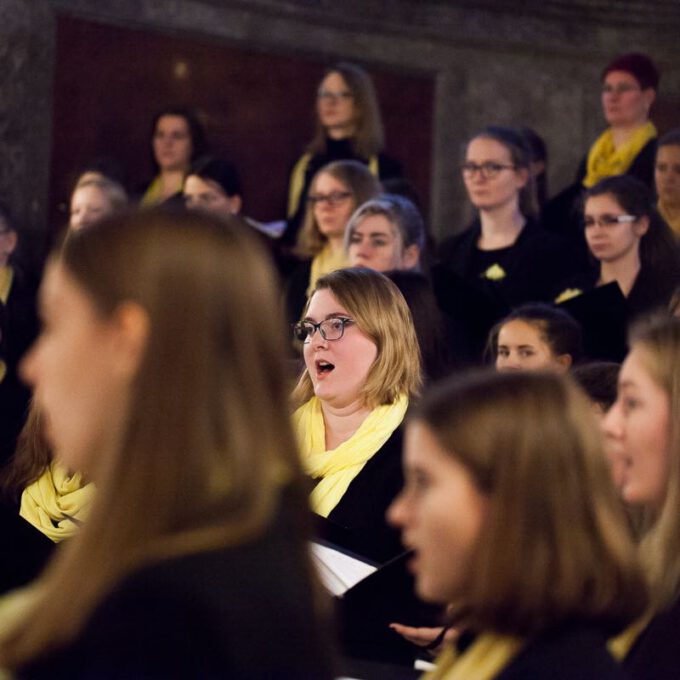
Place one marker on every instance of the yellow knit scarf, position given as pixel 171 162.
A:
pixel 672 218
pixel 54 500
pixel 486 657
pixel 323 263
pixel 605 160
pixel 337 468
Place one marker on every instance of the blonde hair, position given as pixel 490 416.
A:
pixel 381 313
pixel 357 179
pixel 205 449
pixel 113 191
pixel 555 545
pixel 659 340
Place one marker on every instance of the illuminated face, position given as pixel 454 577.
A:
pixel 74 370
pixel 89 204
pixel 522 346
pixel 502 189
pixel 338 368
pixel 637 432
pixel 440 513
pixel 667 174
pixel 334 206
pixel 207 196
pixel 335 106
pixel 615 241
pixel 624 102
pixel 172 146
pixel 377 244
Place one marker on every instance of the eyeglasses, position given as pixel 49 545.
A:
pixel 330 96
pixel 333 199
pixel 621 88
pixel 330 329
pixel 488 169
pixel 608 220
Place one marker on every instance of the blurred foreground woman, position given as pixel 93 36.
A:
pixel 159 372
pixel 513 521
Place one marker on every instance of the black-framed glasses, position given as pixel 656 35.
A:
pixel 331 96
pixel 607 220
pixel 488 169
pixel 621 88
pixel 333 199
pixel 330 329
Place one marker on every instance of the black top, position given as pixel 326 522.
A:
pixel 656 653
pixel 239 612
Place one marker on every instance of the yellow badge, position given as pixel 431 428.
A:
pixel 567 294
pixel 494 273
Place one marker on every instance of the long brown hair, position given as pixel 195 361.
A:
pixel 206 446
pixel 555 546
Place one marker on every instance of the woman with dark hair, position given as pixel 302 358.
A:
pixel 348 127
pixel 213 185
pixel 177 139
pixel 667 179
pixel 630 244
pixel 513 521
pixel 180 427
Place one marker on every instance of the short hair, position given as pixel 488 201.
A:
pixel 353 175
pixel 215 462
pixel 658 338
pixel 558 329
pixel 218 170
pixel 196 130
pixel 381 313
pixel 114 192
pixel 520 154
pixel 554 546
pixel 369 137
pixel 639 65
pixel 401 213
pixel 670 138
pixel 598 379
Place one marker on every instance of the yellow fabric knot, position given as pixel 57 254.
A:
pixel 568 294
pixel 494 273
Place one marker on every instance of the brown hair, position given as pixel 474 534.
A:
pixel 381 313
pixel 357 178
pixel 554 546
pixel 659 340
pixel 369 137
pixel 205 448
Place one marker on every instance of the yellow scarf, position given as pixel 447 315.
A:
pixel 54 500
pixel 605 160
pixel 337 468
pixel 672 220
pixel 323 263
pixel 620 645
pixel 484 659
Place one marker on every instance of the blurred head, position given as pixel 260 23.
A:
pixel 496 170
pixel 667 169
pixel 177 139
pixel 536 337
pixel 334 193
pixel 486 457
pixel 213 186
pixel 385 233
pixel 376 358
pixel 95 198
pixel 347 106
pixel 598 379
pixel 643 430
pixel 629 85
pixel 9 237
pixel 620 217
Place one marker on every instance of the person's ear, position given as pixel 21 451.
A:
pixel 130 336
pixel 648 97
pixel 564 362
pixel 410 257
pixel 235 204
pixel 522 175
pixel 641 226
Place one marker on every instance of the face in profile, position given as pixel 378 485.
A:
pixel 334 205
pixel 637 433
pixel 624 102
pixel 500 184
pixel 207 196
pixel 440 513
pixel 172 146
pixel 522 346
pixel 78 371
pixel 377 244
pixel 667 174
pixel 338 368
pixel 336 107
pixel 608 240
pixel 89 204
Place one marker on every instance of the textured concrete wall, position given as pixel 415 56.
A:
pixel 494 62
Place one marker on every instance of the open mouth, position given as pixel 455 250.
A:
pixel 323 367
